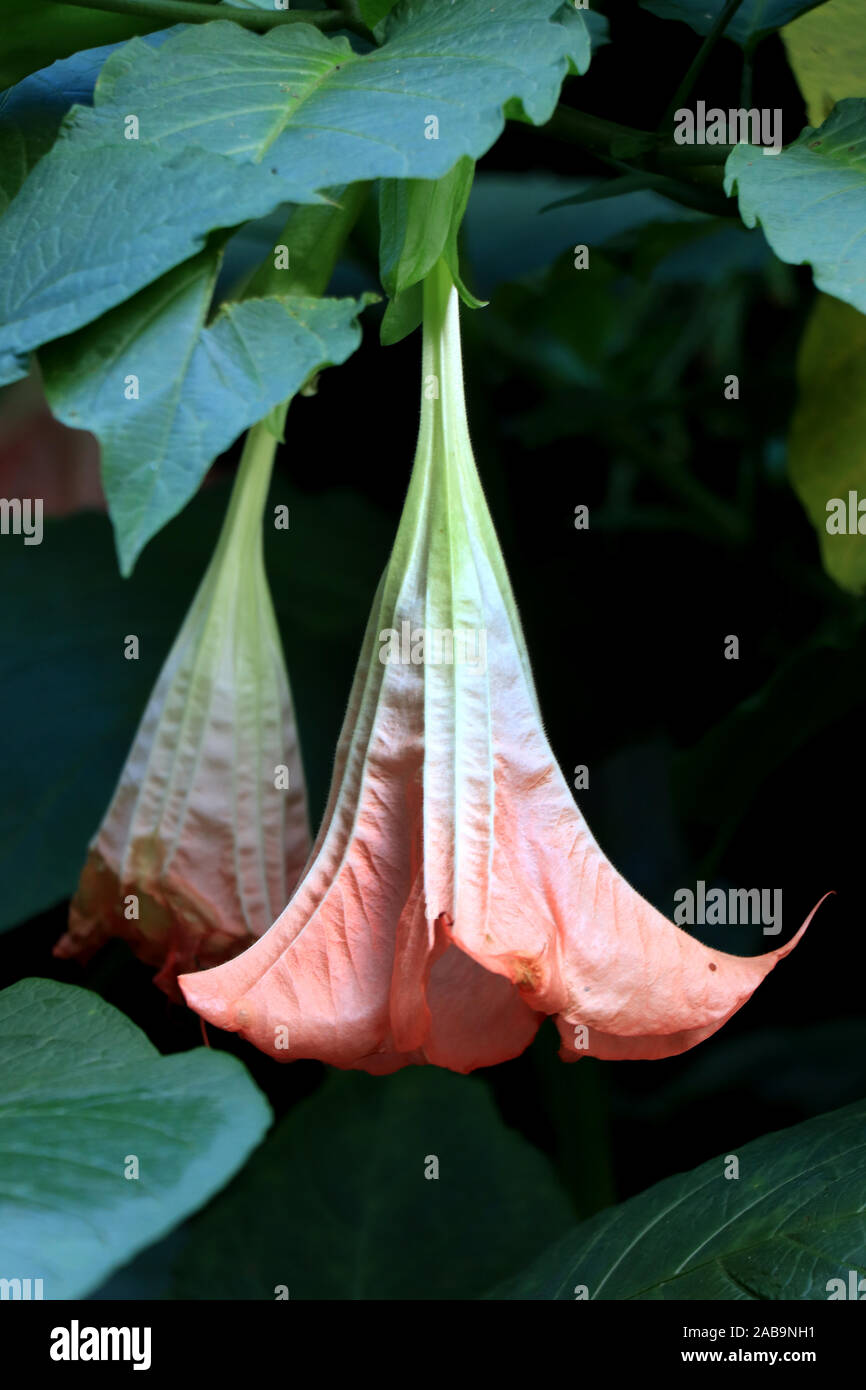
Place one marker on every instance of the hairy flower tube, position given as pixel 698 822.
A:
pixel 207 831
pixel 455 896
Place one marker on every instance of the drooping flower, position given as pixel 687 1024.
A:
pixel 207 831
pixel 455 896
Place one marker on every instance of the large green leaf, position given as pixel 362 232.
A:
pixel 794 1219
pixel 811 200
pixel 275 118
pixel 83 1092
pixel 827 51
pixel 358 1218
pixel 71 703
pixel 199 387
pixel 827 446
pixel 753 19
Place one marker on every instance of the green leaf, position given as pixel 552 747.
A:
pixel 810 200
pixel 827 446
pixel 199 387
pixel 337 1205
pixel 72 703
pixel 277 118
pixel 83 1090
pixel 753 20
pixel 793 1219
pixel 827 51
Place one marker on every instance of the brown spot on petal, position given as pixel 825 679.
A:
pixel 526 974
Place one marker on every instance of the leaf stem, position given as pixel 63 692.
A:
pixel 196 12
pixel 696 66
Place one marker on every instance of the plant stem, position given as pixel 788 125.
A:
pixel 688 195
pixel 195 12
pixel 628 149
pixel 314 235
pixel 606 138
pixel 594 133
pixel 746 80
pixel 696 67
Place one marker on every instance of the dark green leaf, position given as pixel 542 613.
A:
pixel 753 19
pixel 794 1219
pixel 337 1205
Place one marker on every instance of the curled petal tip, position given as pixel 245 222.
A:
pixel 789 945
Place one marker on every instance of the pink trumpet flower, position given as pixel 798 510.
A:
pixel 455 896
pixel 207 831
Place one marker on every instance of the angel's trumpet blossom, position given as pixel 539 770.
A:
pixel 207 831
pixel 455 896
